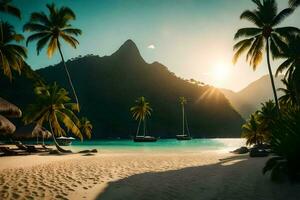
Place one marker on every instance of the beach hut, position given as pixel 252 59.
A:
pixel 6 127
pixel 9 110
pixel 32 131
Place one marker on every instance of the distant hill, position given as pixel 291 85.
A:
pixel 250 98
pixel 108 86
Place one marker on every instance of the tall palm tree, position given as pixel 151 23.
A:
pixel 7 7
pixel 289 96
pixel 265 35
pixel 50 30
pixel 251 131
pixel 182 101
pixel 140 112
pixel 291 54
pixel 86 127
pixel 53 107
pixel 12 54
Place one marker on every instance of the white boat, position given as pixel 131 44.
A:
pixel 64 141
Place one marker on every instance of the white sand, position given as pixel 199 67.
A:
pixel 211 175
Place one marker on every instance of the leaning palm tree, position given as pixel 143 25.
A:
pixel 50 30
pixel 12 54
pixel 140 112
pixel 291 64
pixel 251 131
pixel 7 7
pixel 265 35
pixel 53 107
pixel 86 127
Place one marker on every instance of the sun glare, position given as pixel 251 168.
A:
pixel 220 72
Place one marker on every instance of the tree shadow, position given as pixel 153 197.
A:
pixel 237 177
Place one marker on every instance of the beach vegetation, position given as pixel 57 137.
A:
pixel 53 107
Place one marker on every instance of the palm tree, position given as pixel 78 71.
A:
pixel 53 107
pixel 251 131
pixel 265 35
pixel 140 112
pixel 182 101
pixel 267 116
pixel 294 3
pixel 289 96
pixel 86 127
pixel 6 7
pixel 12 54
pixel 291 54
pixel 49 30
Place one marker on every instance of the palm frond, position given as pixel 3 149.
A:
pixel 247 32
pixel 282 16
pixel 252 17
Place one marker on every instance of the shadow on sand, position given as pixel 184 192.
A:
pixel 233 178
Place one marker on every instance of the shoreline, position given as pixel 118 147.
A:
pixel 139 175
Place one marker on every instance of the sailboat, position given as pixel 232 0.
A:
pixel 144 137
pixel 140 112
pixel 185 135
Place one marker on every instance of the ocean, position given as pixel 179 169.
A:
pixel 161 145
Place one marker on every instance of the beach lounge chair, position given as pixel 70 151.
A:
pixel 21 146
pixel 11 152
pixel 46 148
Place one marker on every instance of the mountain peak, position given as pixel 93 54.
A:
pixel 129 52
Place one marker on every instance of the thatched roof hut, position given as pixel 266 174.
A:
pixel 31 131
pixel 6 127
pixel 8 109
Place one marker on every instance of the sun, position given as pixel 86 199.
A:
pixel 221 72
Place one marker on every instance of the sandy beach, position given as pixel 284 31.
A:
pixel 132 175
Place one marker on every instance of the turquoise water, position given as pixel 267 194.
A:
pixel 160 145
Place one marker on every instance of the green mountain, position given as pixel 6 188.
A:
pixel 108 86
pixel 249 99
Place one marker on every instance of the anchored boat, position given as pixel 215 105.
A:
pixel 65 141
pixel 185 135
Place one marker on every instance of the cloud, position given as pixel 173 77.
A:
pixel 151 46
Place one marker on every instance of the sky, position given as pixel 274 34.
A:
pixel 193 38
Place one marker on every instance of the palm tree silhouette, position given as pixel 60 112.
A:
pixel 7 7
pixel 289 96
pixel 266 35
pixel 48 30
pixel 140 112
pixel 12 54
pixel 251 131
pixel 291 63
pixel 53 107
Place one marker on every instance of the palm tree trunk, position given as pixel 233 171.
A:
pixel 60 149
pixel 271 75
pixel 68 75
pixel 138 128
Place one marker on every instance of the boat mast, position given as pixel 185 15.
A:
pixel 138 129
pixel 144 121
pixel 182 106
